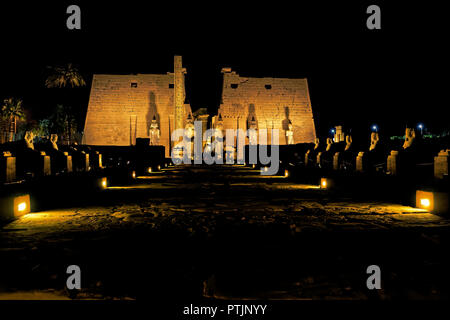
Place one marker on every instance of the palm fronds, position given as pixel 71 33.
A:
pixel 62 77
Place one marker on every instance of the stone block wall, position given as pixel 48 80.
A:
pixel 271 101
pixel 121 108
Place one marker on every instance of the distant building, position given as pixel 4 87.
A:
pixel 267 103
pixel 121 107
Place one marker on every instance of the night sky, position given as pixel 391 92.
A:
pixel 392 77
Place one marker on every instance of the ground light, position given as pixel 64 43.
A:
pixel 22 205
pixel 14 206
pixel 149 170
pixel 159 167
pixel 286 173
pixel 425 203
pixel 133 174
pixel 436 202
pixel 424 200
pixel 104 182
pixel 324 183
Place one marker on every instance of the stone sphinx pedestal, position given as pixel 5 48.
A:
pixel 7 167
pixel 441 164
pixel 392 163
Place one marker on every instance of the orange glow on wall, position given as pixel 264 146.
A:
pixel 425 200
pixel 433 201
pixel 21 205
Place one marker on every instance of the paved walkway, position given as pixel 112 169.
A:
pixel 215 232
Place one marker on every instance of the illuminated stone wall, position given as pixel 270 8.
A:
pixel 271 101
pixel 121 108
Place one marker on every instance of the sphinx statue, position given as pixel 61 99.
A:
pixel 325 158
pixel 29 136
pixel 345 160
pixel 311 154
pixel 410 136
pixel 316 143
pixel 348 142
pixel 329 144
pixel 53 140
pixel 374 138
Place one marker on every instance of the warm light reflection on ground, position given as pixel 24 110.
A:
pixel 294 186
pixel 396 212
pixel 276 186
pixel 149 177
pixel 34 295
pixel 258 176
pixel 141 186
pixel 193 203
pixel 197 207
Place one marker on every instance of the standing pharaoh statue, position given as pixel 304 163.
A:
pixel 290 134
pixel 189 133
pixel 252 132
pixel 154 132
pixel 218 139
pixel 208 147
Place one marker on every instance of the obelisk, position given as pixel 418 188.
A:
pixel 179 92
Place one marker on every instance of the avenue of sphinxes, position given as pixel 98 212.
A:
pixel 125 107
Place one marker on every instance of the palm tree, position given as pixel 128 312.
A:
pixel 64 123
pixel 63 77
pixel 12 111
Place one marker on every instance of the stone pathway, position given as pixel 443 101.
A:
pixel 237 210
